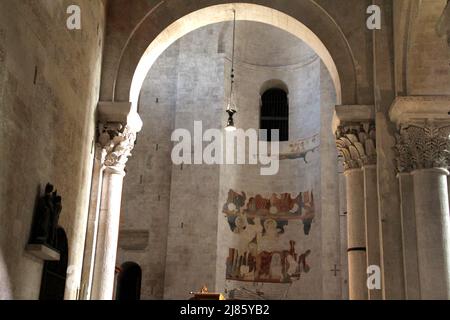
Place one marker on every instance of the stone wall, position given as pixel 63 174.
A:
pixel 191 248
pixel 428 68
pixel 49 87
pixel 299 175
pixel 146 193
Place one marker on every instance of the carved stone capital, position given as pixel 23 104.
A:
pixel 117 129
pixel 356 143
pixel 423 146
pixel 423 126
pixel 117 141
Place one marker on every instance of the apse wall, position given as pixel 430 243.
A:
pixel 176 223
pixel 192 231
pixel 284 263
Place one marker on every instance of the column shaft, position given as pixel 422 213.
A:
pixel 372 226
pixel 108 233
pixel 92 226
pixel 433 239
pixel 357 263
pixel 409 237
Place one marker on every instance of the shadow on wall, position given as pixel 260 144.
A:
pixel 5 284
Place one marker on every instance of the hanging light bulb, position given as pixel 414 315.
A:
pixel 231 108
pixel 230 123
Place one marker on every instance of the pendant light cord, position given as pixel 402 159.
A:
pixel 232 56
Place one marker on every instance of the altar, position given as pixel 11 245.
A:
pixel 204 294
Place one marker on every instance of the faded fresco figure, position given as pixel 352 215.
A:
pixel 263 251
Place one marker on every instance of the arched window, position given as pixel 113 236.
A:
pixel 129 282
pixel 275 113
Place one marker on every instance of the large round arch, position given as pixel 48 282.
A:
pixel 125 71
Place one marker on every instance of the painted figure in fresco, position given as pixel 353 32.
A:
pixel 274 207
pixel 291 260
pixel 258 205
pixel 276 267
pixel 240 224
pixel 236 199
pixel 284 204
pixel 253 252
pixel 291 266
pixel 298 203
pixel 267 243
pixel 247 235
pixel 308 211
pixel 232 207
pixel 263 263
pixel 303 266
pixel 269 239
pixel 229 263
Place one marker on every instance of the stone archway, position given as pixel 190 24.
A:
pixel 163 24
pixel 220 13
pixel 128 70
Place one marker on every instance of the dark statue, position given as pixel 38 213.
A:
pixel 46 218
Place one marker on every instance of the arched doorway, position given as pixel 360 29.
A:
pixel 55 272
pixel 129 282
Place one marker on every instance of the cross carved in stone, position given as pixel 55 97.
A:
pixel 335 270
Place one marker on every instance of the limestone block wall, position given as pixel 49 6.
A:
pixel 240 248
pixel 333 259
pixel 146 193
pixel 428 70
pixel 49 88
pixel 191 249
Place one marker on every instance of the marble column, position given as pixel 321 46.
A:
pixel 92 225
pixel 108 234
pixel 433 236
pixel 117 142
pixel 357 260
pixel 356 144
pixel 423 149
pixel 372 226
pixel 343 228
pixel 448 186
pixel 409 236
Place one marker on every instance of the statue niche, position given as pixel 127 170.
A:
pixel 46 217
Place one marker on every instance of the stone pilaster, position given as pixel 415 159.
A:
pixel 423 146
pixel 92 223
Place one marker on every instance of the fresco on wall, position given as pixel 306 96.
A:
pixel 305 149
pixel 262 253
pixel 283 266
pixel 281 208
